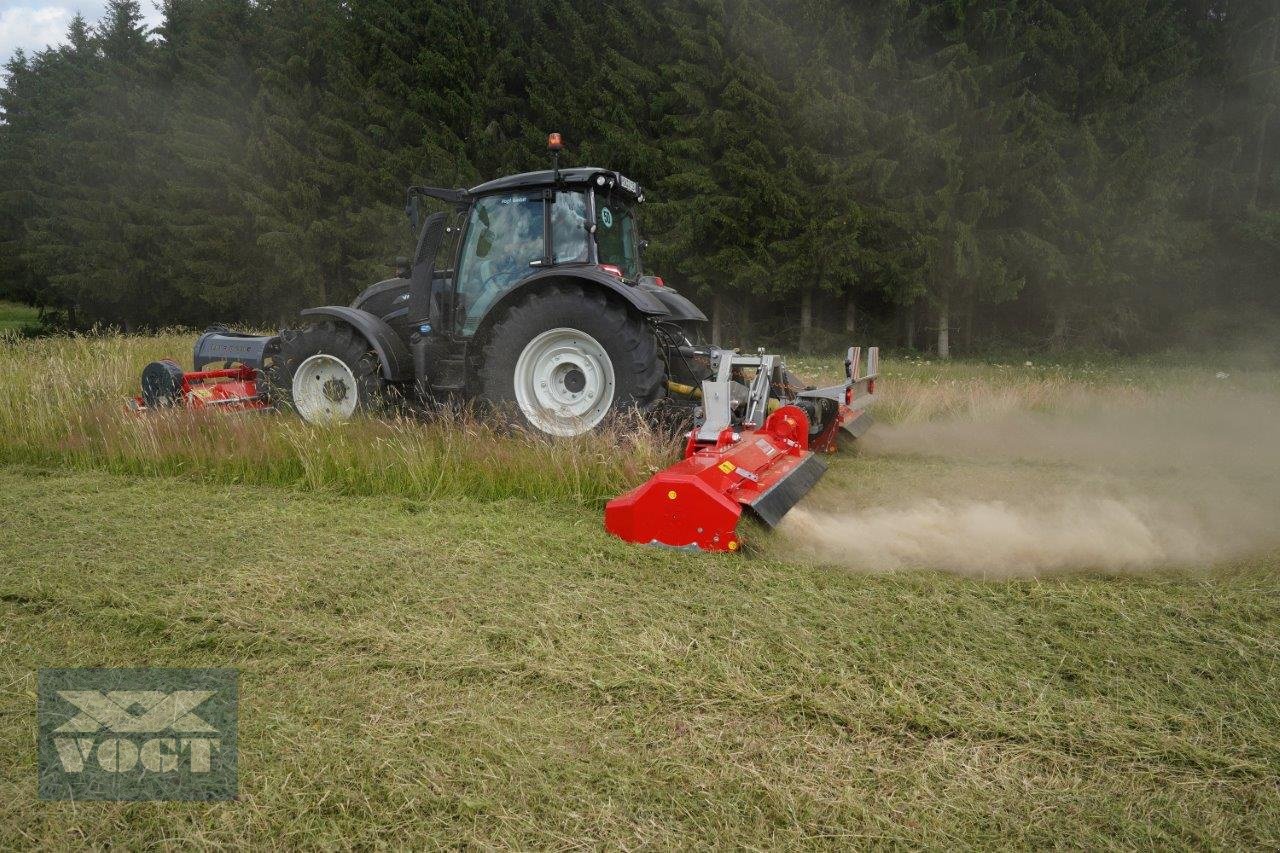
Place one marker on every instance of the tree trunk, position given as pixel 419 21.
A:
pixel 1058 340
pixel 911 328
pixel 806 318
pixel 850 316
pixel 717 319
pixel 966 338
pixel 944 331
pixel 744 323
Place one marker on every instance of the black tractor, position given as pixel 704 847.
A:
pixel 528 293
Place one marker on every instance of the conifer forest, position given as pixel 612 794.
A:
pixel 941 176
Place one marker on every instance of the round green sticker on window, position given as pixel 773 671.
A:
pixel 606 217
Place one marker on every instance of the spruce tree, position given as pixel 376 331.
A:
pixel 207 82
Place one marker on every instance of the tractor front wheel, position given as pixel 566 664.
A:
pixel 565 357
pixel 327 373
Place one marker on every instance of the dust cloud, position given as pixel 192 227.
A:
pixel 1169 481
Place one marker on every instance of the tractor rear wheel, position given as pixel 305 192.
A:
pixel 327 373
pixel 565 357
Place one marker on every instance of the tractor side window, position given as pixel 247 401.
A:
pixel 569 227
pixel 616 239
pixel 504 234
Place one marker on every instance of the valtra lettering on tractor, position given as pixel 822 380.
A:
pixel 527 294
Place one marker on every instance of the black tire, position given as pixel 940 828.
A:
pixel 341 342
pixel 638 369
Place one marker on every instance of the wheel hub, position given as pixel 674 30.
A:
pixel 564 382
pixel 574 380
pixel 335 390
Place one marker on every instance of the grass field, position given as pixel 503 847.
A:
pixel 435 651
pixel 15 317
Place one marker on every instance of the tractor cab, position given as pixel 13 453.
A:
pixel 504 242
pixel 526 225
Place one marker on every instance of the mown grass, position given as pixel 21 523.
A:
pixel 502 674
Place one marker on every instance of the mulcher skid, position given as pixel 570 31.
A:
pixel 757 453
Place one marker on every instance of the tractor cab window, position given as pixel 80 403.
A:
pixel 504 234
pixel 617 240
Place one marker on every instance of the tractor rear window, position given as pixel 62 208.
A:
pixel 617 240
pixel 569 227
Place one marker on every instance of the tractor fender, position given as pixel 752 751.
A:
pixel 677 309
pixel 393 353
pixel 588 276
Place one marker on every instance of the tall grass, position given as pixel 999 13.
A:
pixel 916 390
pixel 62 401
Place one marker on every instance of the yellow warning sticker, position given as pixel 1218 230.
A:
pixel 727 467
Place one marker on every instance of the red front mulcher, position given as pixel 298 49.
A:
pixel 731 463
pixel 697 502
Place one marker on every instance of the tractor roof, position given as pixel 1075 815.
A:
pixel 546 178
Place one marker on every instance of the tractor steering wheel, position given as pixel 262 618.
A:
pixel 491 286
pixel 501 276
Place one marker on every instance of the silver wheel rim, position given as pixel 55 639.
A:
pixel 564 382
pixel 324 390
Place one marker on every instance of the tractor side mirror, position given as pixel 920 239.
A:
pixel 413 209
pixel 484 245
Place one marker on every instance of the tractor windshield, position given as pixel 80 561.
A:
pixel 617 240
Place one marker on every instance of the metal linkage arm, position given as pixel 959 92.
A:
pixel 858 390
